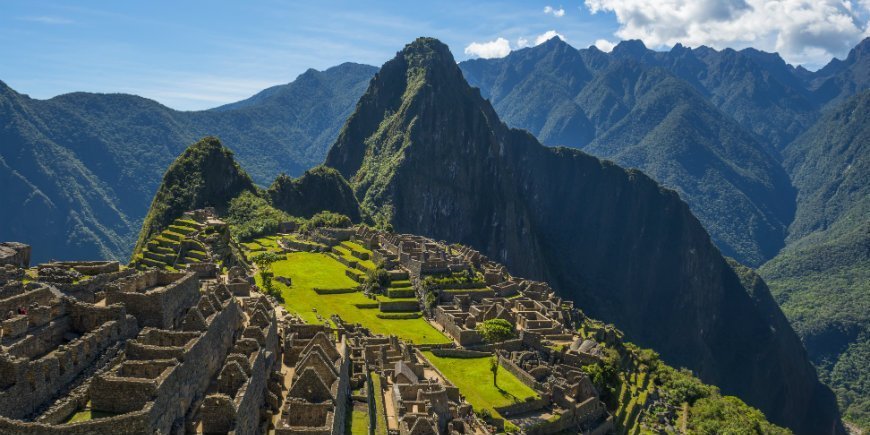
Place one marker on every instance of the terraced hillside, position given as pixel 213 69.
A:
pixel 180 244
pixel 330 283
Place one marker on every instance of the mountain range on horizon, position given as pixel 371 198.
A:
pixel 741 136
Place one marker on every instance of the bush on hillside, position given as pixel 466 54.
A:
pixel 251 216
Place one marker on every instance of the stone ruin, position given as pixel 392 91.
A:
pixel 317 398
pixel 15 254
pixel 417 398
pixel 94 347
pixel 419 255
pixel 139 352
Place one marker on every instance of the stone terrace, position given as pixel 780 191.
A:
pixel 160 352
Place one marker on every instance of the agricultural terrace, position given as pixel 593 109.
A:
pixel 308 271
pixel 474 379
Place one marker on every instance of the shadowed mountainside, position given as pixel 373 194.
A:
pixel 427 154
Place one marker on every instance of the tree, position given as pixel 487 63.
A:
pixel 493 367
pixel 264 261
pixel 496 330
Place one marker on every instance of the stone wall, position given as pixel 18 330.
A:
pixel 92 290
pixel 459 353
pixel 522 407
pixel 156 298
pixel 175 386
pixel 89 268
pixel 394 306
pixel 33 382
pixel 15 253
pixel 521 374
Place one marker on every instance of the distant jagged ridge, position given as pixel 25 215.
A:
pixel 649 110
pixel 82 168
pixel 427 154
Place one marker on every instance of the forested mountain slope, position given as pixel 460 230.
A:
pixel 822 278
pixel 427 154
pixel 83 167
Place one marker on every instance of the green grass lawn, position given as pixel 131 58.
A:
pixel 380 418
pixel 268 242
pixel 474 379
pixel 356 247
pixel 309 270
pixel 356 422
pixel 87 415
pixel 346 253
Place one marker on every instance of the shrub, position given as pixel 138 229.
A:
pixel 326 219
pixel 250 217
pixel 496 330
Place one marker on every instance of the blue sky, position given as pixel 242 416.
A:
pixel 199 54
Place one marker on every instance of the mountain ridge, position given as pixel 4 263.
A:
pixel 439 162
pixel 98 158
pixel 615 110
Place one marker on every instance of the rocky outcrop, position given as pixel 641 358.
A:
pixel 204 175
pixel 427 154
pixel 318 189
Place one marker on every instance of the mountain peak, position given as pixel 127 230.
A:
pixel 630 47
pixel 555 42
pixel 860 50
pixel 426 51
pixel 204 175
pixel 423 75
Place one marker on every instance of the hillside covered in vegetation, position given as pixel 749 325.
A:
pixel 426 154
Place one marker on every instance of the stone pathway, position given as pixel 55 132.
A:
pixel 392 421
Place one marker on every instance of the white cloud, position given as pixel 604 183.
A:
pixel 548 35
pixel 604 45
pixel 558 13
pixel 802 31
pixel 499 47
pixel 45 19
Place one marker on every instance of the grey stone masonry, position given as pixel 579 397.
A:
pixel 15 253
pixel 156 298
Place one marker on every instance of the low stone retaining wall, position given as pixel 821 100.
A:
pixel 401 292
pixel 393 306
pixel 522 407
pixel 460 353
pixel 335 291
pixel 400 316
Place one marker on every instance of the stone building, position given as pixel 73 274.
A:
pixel 157 353
pixel 317 398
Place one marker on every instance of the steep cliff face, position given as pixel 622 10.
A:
pixel 318 189
pixel 648 110
pixel 204 175
pixel 426 153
